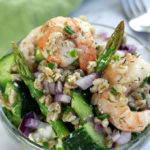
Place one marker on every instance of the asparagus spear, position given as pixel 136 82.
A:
pixel 28 79
pixel 111 47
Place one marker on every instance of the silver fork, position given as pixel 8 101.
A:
pixel 138 15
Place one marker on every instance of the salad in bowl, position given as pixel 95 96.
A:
pixel 65 87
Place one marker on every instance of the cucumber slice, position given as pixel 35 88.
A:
pixel 24 103
pixel 85 138
pixel 83 110
pixel 5 69
pixel 59 128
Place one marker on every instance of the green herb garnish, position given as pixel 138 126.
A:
pixel 68 30
pixel 116 57
pixel 67 110
pixel 75 63
pixel 114 91
pixel 48 52
pixel 133 108
pixel 45 144
pixel 100 116
pixel 47 24
pixel 103 116
pixel 66 79
pixel 51 65
pixel 143 95
pixel 73 53
pixel 144 82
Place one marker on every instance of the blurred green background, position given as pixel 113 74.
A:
pixel 18 17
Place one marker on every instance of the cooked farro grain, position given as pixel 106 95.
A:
pixel 99 85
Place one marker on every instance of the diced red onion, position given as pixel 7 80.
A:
pixel 120 53
pixel 31 123
pixel 90 121
pixel 124 138
pixel 62 98
pixel 58 87
pixel 104 36
pixel 25 130
pixel 52 88
pixel 36 74
pixel 87 81
pixel 98 128
pixel 115 136
pixel 128 48
pixel 45 85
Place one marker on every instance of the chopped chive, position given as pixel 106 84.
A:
pixel 48 52
pixel 103 116
pixel 116 57
pixel 114 91
pixel 73 53
pixel 68 30
pixel 98 47
pixel 67 110
pixel 143 95
pixel 100 116
pixel 51 65
pixel 66 79
pixel 75 63
pixel 133 108
pixel 38 55
pixel 144 82
pixel 47 24
pixel 45 144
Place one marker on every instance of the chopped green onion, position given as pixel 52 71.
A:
pixel 68 30
pixel 75 63
pixel 47 24
pixel 103 116
pixel 38 55
pixel 67 110
pixel 51 65
pixel 100 116
pixel 143 95
pixel 73 53
pixel 133 108
pixel 116 57
pixel 114 91
pixel 45 144
pixel 66 79
pixel 144 82
pixel 48 52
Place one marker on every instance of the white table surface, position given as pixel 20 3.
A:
pixel 107 12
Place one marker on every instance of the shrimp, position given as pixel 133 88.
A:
pixel 120 114
pixel 55 43
pixel 27 45
pixel 129 71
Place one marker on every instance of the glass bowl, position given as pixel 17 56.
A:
pixel 132 145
